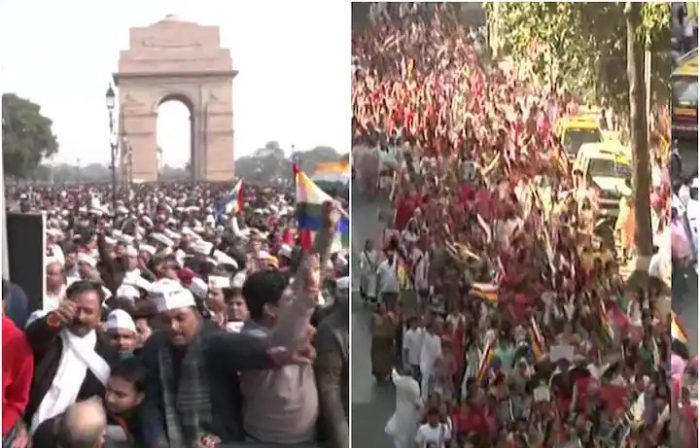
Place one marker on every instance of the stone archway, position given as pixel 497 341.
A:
pixel 176 59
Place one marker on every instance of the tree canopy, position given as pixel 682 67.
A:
pixel 268 164
pixel 27 137
pixel 582 46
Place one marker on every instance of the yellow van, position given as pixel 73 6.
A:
pixel 575 131
pixel 684 97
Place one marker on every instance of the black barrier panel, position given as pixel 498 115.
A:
pixel 25 250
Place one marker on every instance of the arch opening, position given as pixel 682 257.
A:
pixel 175 139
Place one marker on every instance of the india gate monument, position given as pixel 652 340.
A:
pixel 176 60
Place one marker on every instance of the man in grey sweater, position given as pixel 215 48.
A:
pixel 281 406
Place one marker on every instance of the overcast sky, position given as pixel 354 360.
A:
pixel 293 84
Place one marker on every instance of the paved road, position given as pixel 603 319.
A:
pixel 685 304
pixel 688 149
pixel 372 404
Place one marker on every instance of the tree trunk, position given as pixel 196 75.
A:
pixel 641 176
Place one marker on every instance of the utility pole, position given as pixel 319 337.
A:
pixel 113 144
pixel 647 84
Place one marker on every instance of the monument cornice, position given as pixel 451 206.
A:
pixel 228 74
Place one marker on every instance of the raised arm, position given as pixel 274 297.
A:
pixel 235 352
pixel 291 330
pixel 109 263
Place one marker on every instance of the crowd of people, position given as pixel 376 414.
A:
pixel 178 316
pixel 503 318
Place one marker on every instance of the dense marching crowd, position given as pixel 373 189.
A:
pixel 179 317
pixel 502 318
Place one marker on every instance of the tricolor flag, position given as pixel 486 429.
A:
pixel 492 165
pixel 501 274
pixel 605 322
pixel 485 227
pixel 403 274
pixel 310 200
pixel 561 160
pixel 485 362
pixel 538 347
pixel 677 331
pixel 332 172
pixel 485 291
pixel 232 202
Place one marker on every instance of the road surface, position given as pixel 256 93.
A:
pixel 372 404
pixel 688 150
pixel 685 304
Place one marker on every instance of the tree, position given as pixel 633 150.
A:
pixel 641 176
pixel 581 47
pixel 27 136
pixel 270 164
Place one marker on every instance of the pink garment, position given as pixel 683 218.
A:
pixel 678 365
pixel 689 426
pixel 680 246
pixel 543 127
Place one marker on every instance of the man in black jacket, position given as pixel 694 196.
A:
pixel 193 393
pixel 73 362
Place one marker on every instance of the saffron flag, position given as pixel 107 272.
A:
pixel 561 160
pixel 485 362
pixel 605 322
pixel 485 291
pixel 538 347
pixel 232 202
pixel 677 331
pixel 332 173
pixel 310 200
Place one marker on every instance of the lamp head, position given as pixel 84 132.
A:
pixel 109 96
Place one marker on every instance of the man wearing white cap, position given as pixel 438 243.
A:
pixel 224 301
pixel 121 332
pixel 87 267
pixel 195 405
pixel 284 255
pixel 131 262
pixel 236 308
pixel 55 285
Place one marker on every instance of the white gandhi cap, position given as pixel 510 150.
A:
pixel 172 297
pixel 119 320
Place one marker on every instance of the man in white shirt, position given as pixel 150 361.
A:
pixel 431 350
pixel 388 280
pixel 412 347
pixel 433 434
pixel 421 263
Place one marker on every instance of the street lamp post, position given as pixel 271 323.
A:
pixel 109 96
